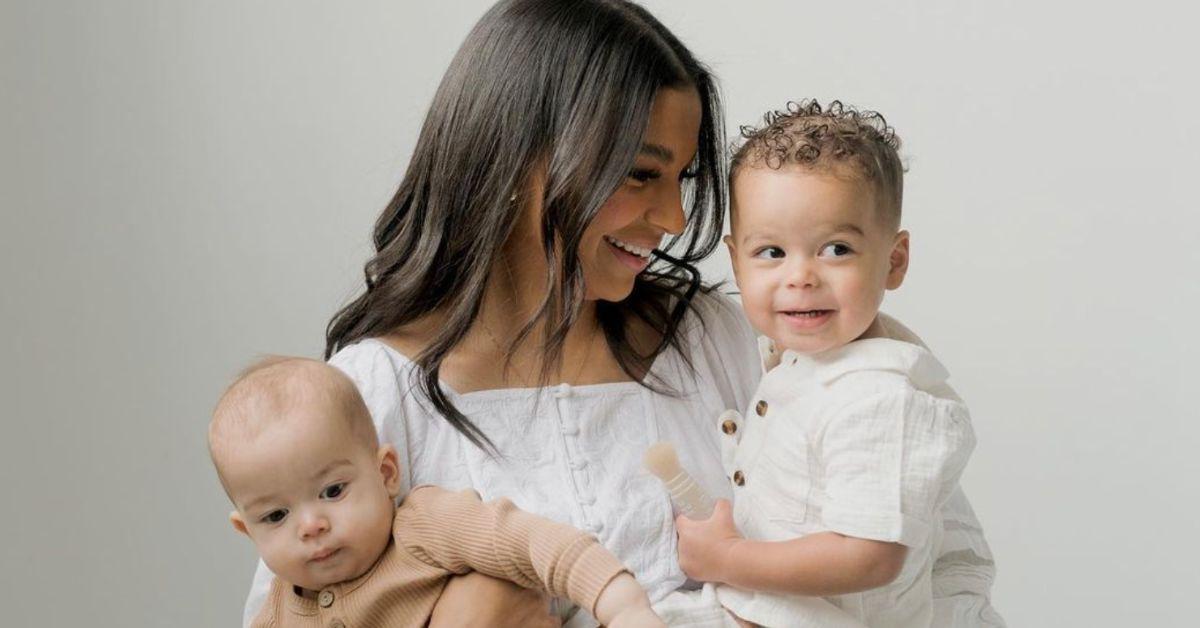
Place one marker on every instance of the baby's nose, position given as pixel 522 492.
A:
pixel 313 525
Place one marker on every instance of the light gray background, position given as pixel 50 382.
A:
pixel 185 185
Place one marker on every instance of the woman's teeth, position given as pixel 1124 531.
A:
pixel 629 248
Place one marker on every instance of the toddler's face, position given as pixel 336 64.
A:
pixel 812 256
pixel 316 501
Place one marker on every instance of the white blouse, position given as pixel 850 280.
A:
pixel 574 453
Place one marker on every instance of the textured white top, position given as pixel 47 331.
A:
pixel 866 440
pixel 573 453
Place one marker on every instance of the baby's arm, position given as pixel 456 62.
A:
pixel 820 564
pixel 459 533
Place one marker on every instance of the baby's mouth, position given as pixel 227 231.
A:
pixel 324 555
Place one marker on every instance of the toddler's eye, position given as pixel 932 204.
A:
pixel 769 252
pixel 275 516
pixel 333 491
pixel 836 249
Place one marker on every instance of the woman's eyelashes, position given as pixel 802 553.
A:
pixel 641 176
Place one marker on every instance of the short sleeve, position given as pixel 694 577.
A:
pixel 729 346
pixel 890 461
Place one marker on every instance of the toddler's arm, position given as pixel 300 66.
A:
pixel 820 564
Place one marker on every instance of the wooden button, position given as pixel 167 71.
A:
pixel 728 426
pixel 325 598
pixel 739 478
pixel 337 623
pixel 761 407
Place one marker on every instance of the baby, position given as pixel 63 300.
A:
pixel 297 453
pixel 853 441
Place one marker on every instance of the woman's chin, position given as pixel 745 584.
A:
pixel 611 291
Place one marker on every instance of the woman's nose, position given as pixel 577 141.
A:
pixel 313 525
pixel 667 212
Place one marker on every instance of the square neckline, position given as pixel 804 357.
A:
pixel 561 388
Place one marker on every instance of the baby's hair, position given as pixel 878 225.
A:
pixel 270 389
pixel 813 137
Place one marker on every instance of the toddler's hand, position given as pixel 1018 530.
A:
pixel 705 547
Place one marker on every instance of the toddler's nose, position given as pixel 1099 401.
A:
pixel 803 275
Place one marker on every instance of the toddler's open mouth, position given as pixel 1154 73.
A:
pixel 807 319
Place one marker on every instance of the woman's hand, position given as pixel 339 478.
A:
pixel 706 547
pixel 479 600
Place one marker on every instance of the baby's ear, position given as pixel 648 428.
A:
pixel 898 261
pixel 239 524
pixel 389 467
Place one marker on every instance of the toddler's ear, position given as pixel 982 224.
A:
pixel 239 524
pixel 389 467
pixel 898 261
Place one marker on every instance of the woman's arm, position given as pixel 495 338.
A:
pixel 820 564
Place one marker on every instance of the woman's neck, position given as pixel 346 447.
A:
pixel 487 359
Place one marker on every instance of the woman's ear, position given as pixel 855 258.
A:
pixel 898 261
pixel 238 523
pixel 389 468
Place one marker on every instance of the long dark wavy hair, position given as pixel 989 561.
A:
pixel 564 85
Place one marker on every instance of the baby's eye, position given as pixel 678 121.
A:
pixel 836 249
pixel 769 252
pixel 275 516
pixel 333 491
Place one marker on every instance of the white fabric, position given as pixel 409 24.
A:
pixel 603 430
pixel 865 440
pixel 574 453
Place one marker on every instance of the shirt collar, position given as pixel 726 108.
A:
pixel 871 354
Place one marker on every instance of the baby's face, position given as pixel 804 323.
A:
pixel 316 500
pixel 812 256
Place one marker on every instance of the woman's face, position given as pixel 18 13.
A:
pixel 616 245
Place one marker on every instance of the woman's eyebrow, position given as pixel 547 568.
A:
pixel 658 151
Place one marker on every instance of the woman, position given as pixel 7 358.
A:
pixel 566 141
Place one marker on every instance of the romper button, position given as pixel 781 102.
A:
pixel 739 478
pixel 761 407
pixel 325 599
pixel 728 426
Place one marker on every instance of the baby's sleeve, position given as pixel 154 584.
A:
pixel 889 461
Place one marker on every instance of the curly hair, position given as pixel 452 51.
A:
pixel 810 136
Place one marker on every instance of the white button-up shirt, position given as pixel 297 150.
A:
pixel 865 440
